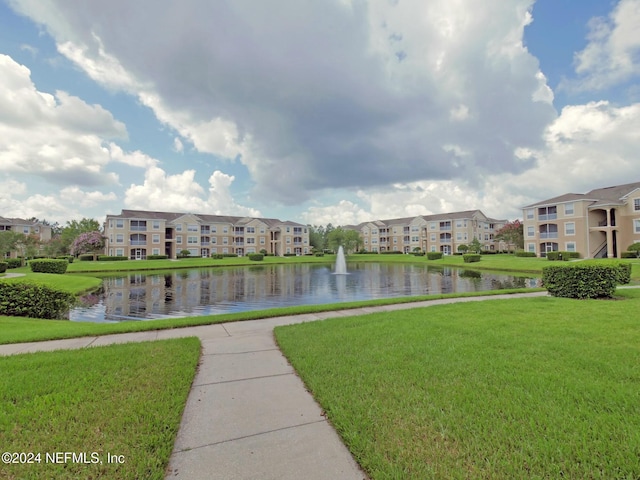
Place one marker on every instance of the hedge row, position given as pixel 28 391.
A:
pixel 585 279
pixel 523 253
pixel 434 255
pixel 471 257
pixel 564 256
pixel 256 257
pixel 31 300
pixel 49 265
pixel 3 267
pixel 14 262
pixel 112 258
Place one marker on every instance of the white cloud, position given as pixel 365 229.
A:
pixel 58 137
pixel 182 193
pixel 612 55
pixel 318 95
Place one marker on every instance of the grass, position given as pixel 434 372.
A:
pixel 528 388
pixel 123 400
pixel 75 284
pixel 20 329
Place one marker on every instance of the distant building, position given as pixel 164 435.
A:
pixel 597 224
pixel 26 227
pixel 138 233
pixel 443 232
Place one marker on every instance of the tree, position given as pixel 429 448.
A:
pixel 74 228
pixel 9 241
pixel 463 248
pixel 88 242
pixel 512 234
pixel 316 237
pixel 349 239
pixel 475 246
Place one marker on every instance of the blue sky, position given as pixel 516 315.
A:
pixel 341 111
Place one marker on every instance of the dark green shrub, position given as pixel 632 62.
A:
pixel 585 279
pixel 319 254
pixel 112 258
pixel 471 257
pixel 631 254
pixel 14 262
pixel 634 247
pixel 418 254
pixel 434 255
pixel 3 267
pixel 256 257
pixel 68 258
pixel 49 265
pixel 217 256
pixel 391 252
pixel 86 257
pixel 523 253
pixel 157 257
pixel 21 299
pixel 289 254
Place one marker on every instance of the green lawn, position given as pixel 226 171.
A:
pixel 125 400
pixel 527 388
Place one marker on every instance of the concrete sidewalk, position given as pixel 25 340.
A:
pixel 248 415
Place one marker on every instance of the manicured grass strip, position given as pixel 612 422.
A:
pixel 123 400
pixel 20 329
pixel 527 388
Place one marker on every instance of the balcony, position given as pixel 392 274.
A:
pixel 137 242
pixel 548 234
pixel 138 228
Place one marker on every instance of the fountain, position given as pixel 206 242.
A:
pixel 341 263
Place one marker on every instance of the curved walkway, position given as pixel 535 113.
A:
pixel 248 415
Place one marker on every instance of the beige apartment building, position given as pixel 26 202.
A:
pixel 598 224
pixel 137 234
pixel 430 233
pixel 27 227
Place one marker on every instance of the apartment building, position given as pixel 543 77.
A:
pixel 600 223
pixel 26 227
pixel 430 233
pixel 137 234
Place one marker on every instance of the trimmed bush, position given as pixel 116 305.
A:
pixel 471 257
pixel 630 254
pixel 3 267
pixel 418 254
pixel 523 253
pixel 391 252
pixel 86 257
pixel 585 279
pixel 217 256
pixel 157 257
pixel 319 254
pixel 112 258
pixel 434 255
pixel 21 299
pixel 49 265
pixel 256 257
pixel 68 258
pixel 14 262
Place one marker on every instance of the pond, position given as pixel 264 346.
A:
pixel 196 292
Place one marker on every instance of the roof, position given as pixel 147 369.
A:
pixel 207 218
pixel 600 196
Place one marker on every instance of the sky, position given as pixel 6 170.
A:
pixel 323 111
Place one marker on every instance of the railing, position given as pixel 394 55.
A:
pixel 138 242
pixel 548 234
pixel 139 228
pixel 547 216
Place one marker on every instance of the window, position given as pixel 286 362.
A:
pixel 251 230
pixel 179 227
pixel 225 240
pixel 119 224
pixel 531 247
pixel 636 226
pixel 262 241
pixel 433 237
pixel 25 230
pixel 570 229
pixel 192 228
pixel 568 208
pixel 192 240
pixel 530 213
pixel 155 251
pixel 570 246
pixel 251 240
pixel 179 239
pixel 119 238
pixel 531 231
pixel 156 226
pixel 119 252
pixel 155 238
pixel 636 204
pixel 225 229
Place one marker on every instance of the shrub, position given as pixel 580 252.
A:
pixel 68 258
pixel 319 254
pixel 21 299
pixel 255 257
pixel 434 255
pixel 3 267
pixel 634 247
pixel 86 257
pixel 217 256
pixel 630 254
pixel 112 258
pixel 585 279
pixel 391 252
pixel 471 257
pixel 157 257
pixel 418 254
pixel 14 262
pixel 523 253
pixel 49 265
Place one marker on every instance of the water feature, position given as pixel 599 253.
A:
pixel 341 263
pixel 152 295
